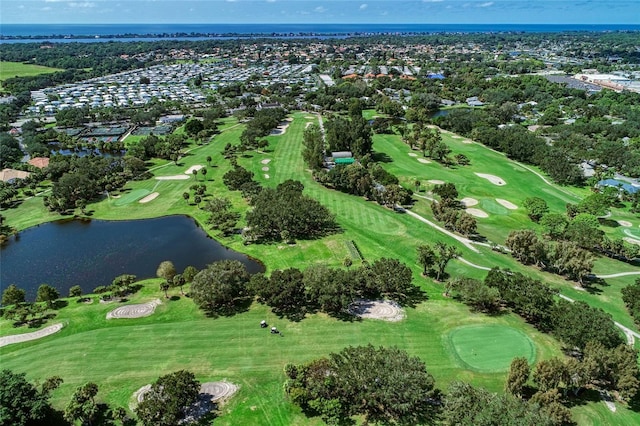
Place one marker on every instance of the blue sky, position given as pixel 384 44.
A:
pixel 321 11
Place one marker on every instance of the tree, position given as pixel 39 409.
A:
pixel 164 286
pixel 584 230
pixel 474 293
pixel 193 127
pixel 426 258
pixel 47 294
pixel 631 298
pixel 536 208
pixel 518 375
pixel 222 217
pixel 209 160
pixel 577 323
pixel 178 281
pixel 13 295
pixel 554 224
pixel 347 262
pixel 82 405
pixel 525 246
pixel 285 293
pixel 186 196
pixel 219 286
pixel 204 173
pixel 384 385
pixel 166 402
pixel 75 291
pixel 166 270
pixel 447 193
pixel 444 253
pixel 550 374
pixel 189 273
pixel 21 403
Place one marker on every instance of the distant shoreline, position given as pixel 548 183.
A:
pixel 131 32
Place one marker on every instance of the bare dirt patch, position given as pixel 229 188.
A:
pixel 436 181
pixel 190 170
pixel 493 179
pixel 507 204
pixel 625 223
pixel 266 161
pixel 134 311
pixel 424 160
pixel 386 310
pixel 468 202
pixel 174 177
pixel 477 213
pixel 149 197
pixel 26 337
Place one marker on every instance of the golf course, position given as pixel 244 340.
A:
pixel 122 355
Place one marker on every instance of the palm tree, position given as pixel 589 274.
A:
pixel 186 196
pixel 204 173
pixel 195 173
pixel 208 160
pixel 164 286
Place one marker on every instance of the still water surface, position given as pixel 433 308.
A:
pixel 93 253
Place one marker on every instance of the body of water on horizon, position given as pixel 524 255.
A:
pixel 94 32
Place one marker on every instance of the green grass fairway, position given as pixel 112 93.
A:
pixel 633 233
pixel 131 197
pixel 490 348
pixel 17 69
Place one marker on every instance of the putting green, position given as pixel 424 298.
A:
pixel 489 348
pixel 491 206
pixel 131 197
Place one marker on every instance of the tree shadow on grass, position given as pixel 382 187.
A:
pixel 381 157
pixel 608 223
pixel 584 397
pixel 593 285
pixel 237 307
pixel 414 297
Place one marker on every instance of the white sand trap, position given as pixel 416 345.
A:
pixel 456 137
pixel 477 213
pixel 134 311
pixel 424 160
pixel 491 178
pixel 309 117
pixel 174 177
pixel 386 310
pixel 507 204
pixel 413 154
pixel 467 141
pixel 26 337
pixel 140 393
pixel 625 223
pixel 308 124
pixel 266 176
pixel 468 202
pixel 436 181
pixel 217 391
pixel 265 169
pixel 149 197
pixel 266 161
pixel 632 240
pixel 192 168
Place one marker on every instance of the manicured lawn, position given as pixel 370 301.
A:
pixel 123 355
pixel 18 69
pixel 490 348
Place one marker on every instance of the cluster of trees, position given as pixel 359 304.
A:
pixel 367 179
pixel 17 309
pixel 10 152
pixel 450 211
pixel 285 213
pixel 293 293
pixel 264 120
pixel 388 386
pixel 631 298
pixel 349 134
pixel 434 258
pixel 168 147
pixel 226 286
pixel 168 402
pixel 428 141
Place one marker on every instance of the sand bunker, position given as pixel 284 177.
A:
pixel 507 204
pixel 266 161
pixel 265 169
pixel 467 141
pixel 456 137
pixel 386 310
pixel 413 154
pixel 309 117
pixel 149 197
pixel 282 127
pixel 468 202
pixel 632 240
pixel 192 168
pixel 217 391
pixel 625 223
pixel 491 178
pixel 477 213
pixel 134 311
pixel 307 125
pixel 140 393
pixel 25 337
pixel 174 177
pixel 424 160
pixel 436 181
pixel 266 176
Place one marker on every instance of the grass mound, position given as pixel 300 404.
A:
pixel 489 348
pixel 132 196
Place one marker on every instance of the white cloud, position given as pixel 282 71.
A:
pixel 363 6
pixel 486 4
pixel 320 9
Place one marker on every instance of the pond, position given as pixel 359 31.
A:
pixel 92 253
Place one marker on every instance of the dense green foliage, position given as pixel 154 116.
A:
pixel 166 403
pixel 631 298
